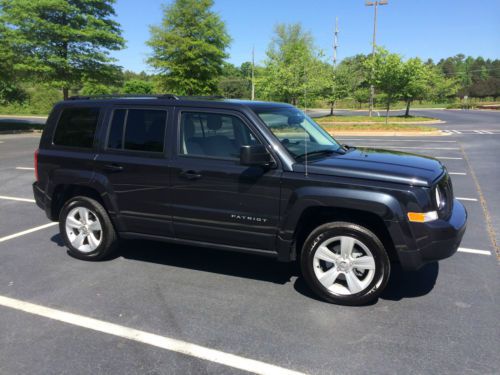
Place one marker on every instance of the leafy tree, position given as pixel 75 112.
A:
pixel 293 68
pixel 138 86
pixel 389 75
pixel 95 88
pixel 62 41
pixel 234 87
pixel 417 76
pixel 189 48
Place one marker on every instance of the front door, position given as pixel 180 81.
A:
pixel 214 198
pixel 135 169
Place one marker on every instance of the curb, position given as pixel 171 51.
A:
pixel 382 122
pixel 438 133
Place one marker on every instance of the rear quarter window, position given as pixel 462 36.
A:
pixel 76 127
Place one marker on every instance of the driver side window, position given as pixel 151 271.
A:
pixel 213 135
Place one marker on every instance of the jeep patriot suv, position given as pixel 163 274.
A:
pixel 254 177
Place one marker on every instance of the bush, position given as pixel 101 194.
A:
pixel 137 86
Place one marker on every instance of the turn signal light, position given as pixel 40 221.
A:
pixel 422 217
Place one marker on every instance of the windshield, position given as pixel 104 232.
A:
pixel 297 132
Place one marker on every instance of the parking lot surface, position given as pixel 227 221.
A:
pixel 441 319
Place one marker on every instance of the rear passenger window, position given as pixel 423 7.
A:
pixel 76 127
pixel 138 130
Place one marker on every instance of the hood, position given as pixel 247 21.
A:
pixel 376 164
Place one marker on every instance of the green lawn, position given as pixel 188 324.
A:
pixel 377 119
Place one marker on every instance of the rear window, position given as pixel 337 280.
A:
pixel 76 127
pixel 138 130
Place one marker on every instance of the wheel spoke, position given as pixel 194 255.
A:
pixel 72 222
pixel 93 241
pixel 84 214
pixel 95 226
pixel 346 246
pixel 329 277
pixel 353 283
pixel 364 263
pixel 324 253
pixel 78 241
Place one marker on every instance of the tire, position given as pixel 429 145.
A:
pixel 86 229
pixel 329 268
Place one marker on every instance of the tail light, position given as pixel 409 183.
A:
pixel 36 164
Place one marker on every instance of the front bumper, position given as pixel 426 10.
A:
pixel 438 239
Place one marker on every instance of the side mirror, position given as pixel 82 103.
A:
pixel 254 155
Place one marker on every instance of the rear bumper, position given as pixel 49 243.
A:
pixel 442 239
pixel 41 199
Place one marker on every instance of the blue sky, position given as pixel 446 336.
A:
pixel 424 28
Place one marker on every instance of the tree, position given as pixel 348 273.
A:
pixel 416 82
pixel 293 67
pixel 63 41
pixel 137 86
pixel 189 48
pixel 234 87
pixel 389 75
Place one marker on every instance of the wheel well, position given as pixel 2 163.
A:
pixel 63 193
pixel 315 216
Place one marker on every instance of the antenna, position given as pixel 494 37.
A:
pixel 253 74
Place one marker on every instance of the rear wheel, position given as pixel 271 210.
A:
pixel 86 229
pixel 345 263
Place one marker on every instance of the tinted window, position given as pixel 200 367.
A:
pixel 115 139
pixel 144 130
pixel 76 127
pixel 215 135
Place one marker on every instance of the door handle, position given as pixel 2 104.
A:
pixel 191 175
pixel 113 167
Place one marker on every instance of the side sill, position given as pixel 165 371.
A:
pixel 180 241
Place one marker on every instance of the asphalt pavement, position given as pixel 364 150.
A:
pixel 441 319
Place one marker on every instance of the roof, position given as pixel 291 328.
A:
pixel 172 100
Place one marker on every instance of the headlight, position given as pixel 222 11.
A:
pixel 440 198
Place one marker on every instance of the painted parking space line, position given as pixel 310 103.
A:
pixel 17 199
pixel 448 158
pixel 474 251
pixel 417 148
pixel 167 343
pixel 27 231
pixel 26 168
pixel 394 140
pixel 458 173
pixel 466 199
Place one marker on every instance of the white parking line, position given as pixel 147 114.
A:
pixel 458 173
pixel 466 199
pixel 393 140
pixel 417 148
pixel 474 251
pixel 17 199
pixel 26 168
pixel 448 158
pixel 27 231
pixel 152 339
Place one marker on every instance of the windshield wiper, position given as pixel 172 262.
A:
pixel 318 152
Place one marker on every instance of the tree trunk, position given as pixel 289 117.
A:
pixel 407 113
pixel 331 108
pixel 387 111
pixel 65 93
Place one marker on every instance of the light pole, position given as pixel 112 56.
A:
pixel 375 5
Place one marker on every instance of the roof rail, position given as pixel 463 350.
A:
pixel 119 96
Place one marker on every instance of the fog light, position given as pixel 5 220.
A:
pixel 422 217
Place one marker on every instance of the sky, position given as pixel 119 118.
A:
pixel 425 28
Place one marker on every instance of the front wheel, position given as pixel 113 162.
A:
pixel 345 263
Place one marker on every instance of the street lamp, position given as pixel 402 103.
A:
pixel 375 5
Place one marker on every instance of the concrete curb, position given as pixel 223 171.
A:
pixel 438 133
pixel 432 122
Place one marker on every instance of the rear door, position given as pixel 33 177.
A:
pixel 134 166
pixel 214 198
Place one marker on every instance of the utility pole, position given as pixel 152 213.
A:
pixel 375 5
pixel 253 73
pixel 335 42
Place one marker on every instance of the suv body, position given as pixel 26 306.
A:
pixel 217 173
